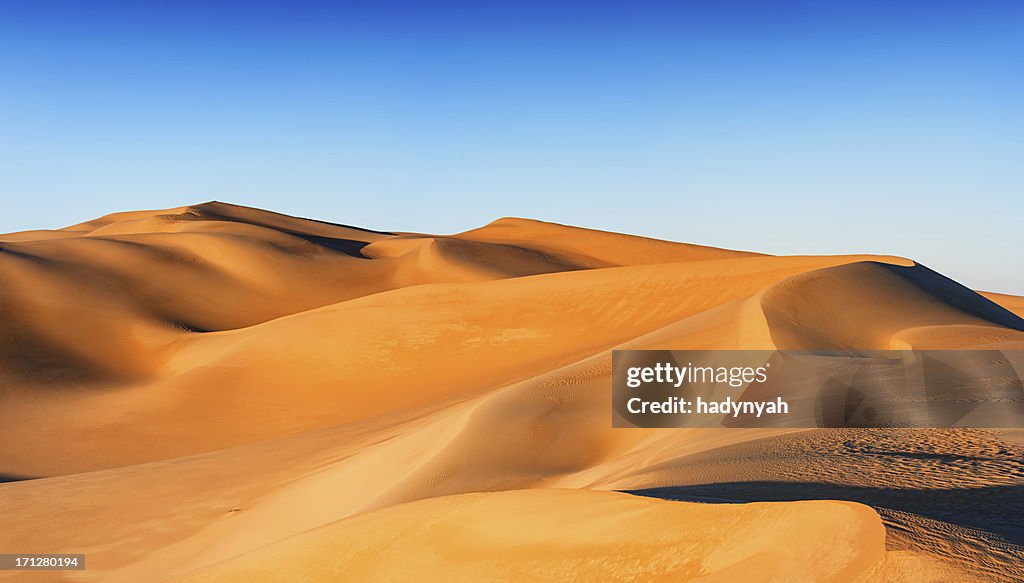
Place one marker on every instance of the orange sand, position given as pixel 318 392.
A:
pixel 188 386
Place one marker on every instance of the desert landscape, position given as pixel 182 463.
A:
pixel 217 393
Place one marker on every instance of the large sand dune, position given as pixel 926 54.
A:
pixel 184 387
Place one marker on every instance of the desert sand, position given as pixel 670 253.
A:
pixel 221 393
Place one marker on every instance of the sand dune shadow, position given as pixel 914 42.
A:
pixel 996 509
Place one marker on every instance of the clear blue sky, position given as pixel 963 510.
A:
pixel 819 126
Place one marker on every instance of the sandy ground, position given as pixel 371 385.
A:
pixel 218 393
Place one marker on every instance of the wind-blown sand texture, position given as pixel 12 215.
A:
pixel 221 393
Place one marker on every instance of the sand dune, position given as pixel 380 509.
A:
pixel 187 386
pixel 1014 304
pixel 555 535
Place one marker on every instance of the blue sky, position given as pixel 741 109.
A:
pixel 823 126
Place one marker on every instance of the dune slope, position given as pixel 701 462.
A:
pixel 557 535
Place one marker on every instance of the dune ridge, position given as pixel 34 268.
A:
pixel 576 534
pixel 201 382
